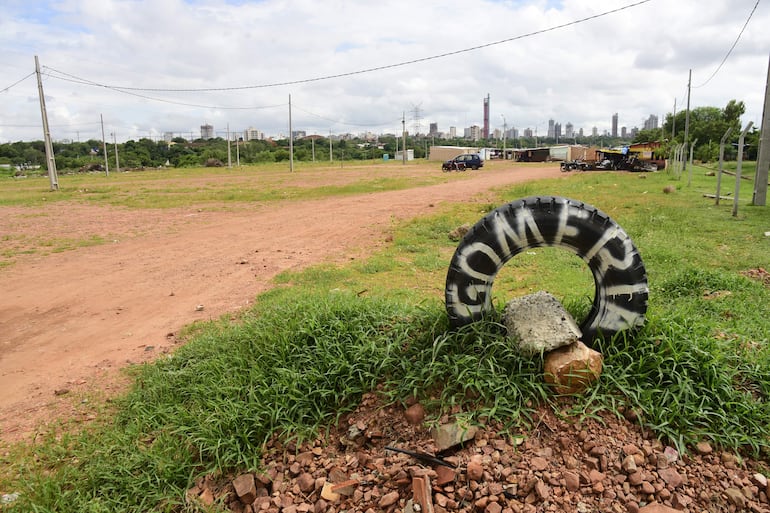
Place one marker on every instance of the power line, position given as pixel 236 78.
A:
pixel 731 48
pixel 72 78
pixel 370 70
pixel 16 83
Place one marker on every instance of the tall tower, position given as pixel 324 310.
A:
pixel 485 132
pixel 615 125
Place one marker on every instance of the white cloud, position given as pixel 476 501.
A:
pixel 634 62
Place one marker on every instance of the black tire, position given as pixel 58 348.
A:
pixel 621 291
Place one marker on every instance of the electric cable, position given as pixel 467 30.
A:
pixel 731 48
pixel 5 89
pixel 77 80
pixel 367 70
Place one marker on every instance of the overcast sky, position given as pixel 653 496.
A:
pixel 357 66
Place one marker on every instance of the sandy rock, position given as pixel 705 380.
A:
pixel 572 481
pixel 245 488
pixel 444 475
pixel 671 477
pixel 573 368
pixel 388 499
pixel 328 494
pixel 475 470
pixel 629 464
pixel 415 414
pixel 703 448
pixel 306 482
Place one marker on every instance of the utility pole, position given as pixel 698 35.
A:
pixel 104 146
pixel 504 127
pixel 115 144
pixel 229 151
pixel 403 134
pixel 763 159
pixel 687 122
pixel 291 140
pixel 50 159
pixel 673 123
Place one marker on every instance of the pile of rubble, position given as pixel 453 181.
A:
pixel 606 464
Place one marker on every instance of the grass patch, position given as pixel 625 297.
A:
pixel 308 350
pixel 218 187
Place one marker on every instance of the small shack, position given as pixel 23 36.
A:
pixel 444 153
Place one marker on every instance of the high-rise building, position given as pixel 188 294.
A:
pixel 569 130
pixel 615 125
pixel 651 123
pixel 557 130
pixel 452 132
pixel 207 132
pixel 594 132
pixel 252 134
pixel 527 133
pixel 623 132
pixel 485 133
pixel 473 133
pixel 433 129
pixel 551 129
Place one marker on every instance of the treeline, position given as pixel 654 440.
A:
pixel 706 124
pixel 182 153
pixel 706 127
pixel 179 152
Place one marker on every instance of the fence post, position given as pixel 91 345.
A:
pixel 738 168
pixel 689 176
pixel 721 161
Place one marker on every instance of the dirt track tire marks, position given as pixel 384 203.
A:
pixel 621 290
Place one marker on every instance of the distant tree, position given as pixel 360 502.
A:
pixel 707 125
pixel 649 135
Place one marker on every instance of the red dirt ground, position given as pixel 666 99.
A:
pixel 70 320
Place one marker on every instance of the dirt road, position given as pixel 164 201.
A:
pixel 70 320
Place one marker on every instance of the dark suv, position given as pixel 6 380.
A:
pixel 463 162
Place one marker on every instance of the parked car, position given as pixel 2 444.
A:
pixel 463 162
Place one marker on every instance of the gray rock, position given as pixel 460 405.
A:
pixel 538 323
pixel 449 435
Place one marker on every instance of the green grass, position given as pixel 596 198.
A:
pixel 215 187
pixel 310 347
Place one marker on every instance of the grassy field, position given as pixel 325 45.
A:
pixel 310 347
pixel 218 187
